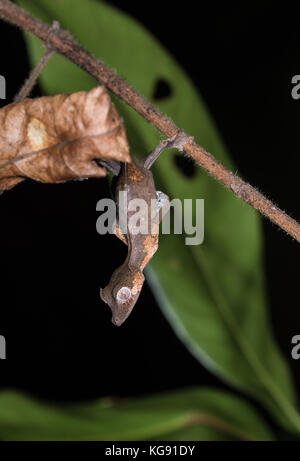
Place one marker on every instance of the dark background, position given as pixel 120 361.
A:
pixel 60 342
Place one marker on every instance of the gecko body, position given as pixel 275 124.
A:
pixel 127 280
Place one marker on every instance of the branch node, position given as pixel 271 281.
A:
pixel 179 140
pixel 53 29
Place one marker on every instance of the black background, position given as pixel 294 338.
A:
pixel 60 342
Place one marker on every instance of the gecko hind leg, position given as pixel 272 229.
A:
pixel 177 141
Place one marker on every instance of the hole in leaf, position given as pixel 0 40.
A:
pixel 162 90
pixel 185 165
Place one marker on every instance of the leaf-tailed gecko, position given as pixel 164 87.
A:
pixel 125 285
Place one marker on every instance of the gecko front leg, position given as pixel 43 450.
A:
pixel 162 206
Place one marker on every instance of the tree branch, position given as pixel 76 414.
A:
pixel 62 42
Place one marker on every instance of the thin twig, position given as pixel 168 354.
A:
pixel 63 43
pixel 31 81
pixel 34 74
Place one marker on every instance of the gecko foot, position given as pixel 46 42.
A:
pixel 179 140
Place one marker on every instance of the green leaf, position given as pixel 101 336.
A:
pixel 200 414
pixel 212 294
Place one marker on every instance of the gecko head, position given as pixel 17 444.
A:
pixel 121 294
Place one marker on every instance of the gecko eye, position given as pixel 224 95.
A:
pixel 124 294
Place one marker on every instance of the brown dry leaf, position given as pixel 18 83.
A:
pixel 55 139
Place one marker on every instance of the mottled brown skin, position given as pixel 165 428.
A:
pixel 139 183
pixel 135 177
